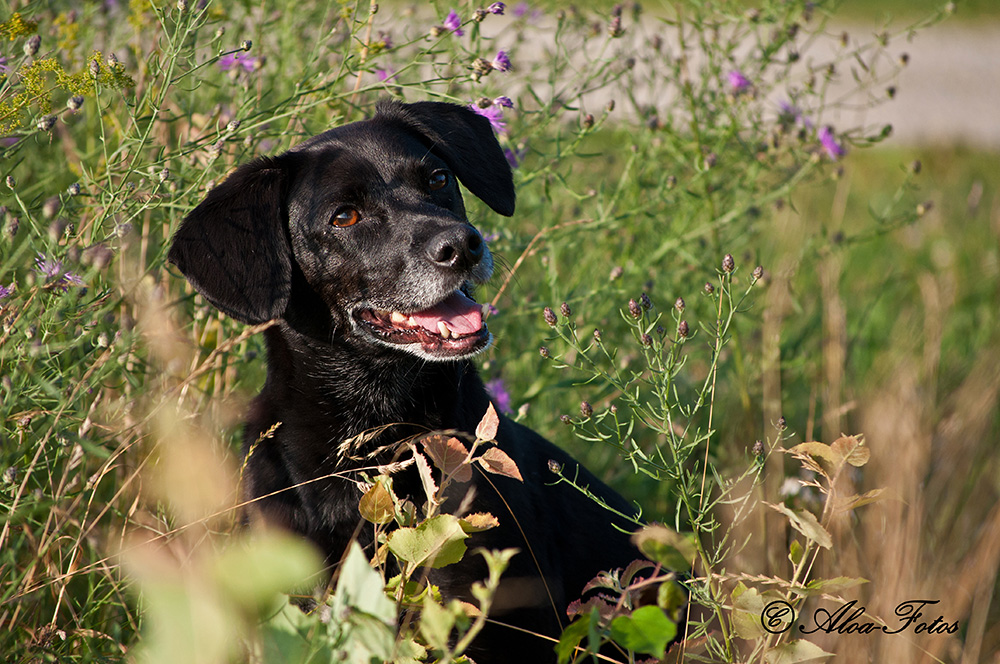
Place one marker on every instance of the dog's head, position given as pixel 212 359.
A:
pixel 363 224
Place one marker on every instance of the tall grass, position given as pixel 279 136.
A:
pixel 665 154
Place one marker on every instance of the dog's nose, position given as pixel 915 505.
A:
pixel 460 248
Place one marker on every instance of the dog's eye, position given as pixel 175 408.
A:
pixel 345 216
pixel 438 180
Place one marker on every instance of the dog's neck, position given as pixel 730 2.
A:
pixel 335 392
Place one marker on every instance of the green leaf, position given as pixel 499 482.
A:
pixel 648 631
pixel 571 638
pixel 276 562
pixel 666 546
pixel 436 623
pixel 362 588
pixel 748 605
pixel 835 585
pixel 795 652
pixel 795 552
pixel 436 542
pixel 805 522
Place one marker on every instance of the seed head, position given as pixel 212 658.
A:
pixel 683 329
pixel 634 309
pixel 565 310
pixel 550 316
pixel 479 15
pixel 728 264
pixel 74 189
pixel 586 409
pixel 758 448
pixel 10 181
pixel 74 103
pixel 94 67
pixel 46 123
pixel 12 225
pixel 544 351
pixel 709 288
pixel 610 106
pixel 182 6
pixel 481 67
pixel 904 59
pixel 232 125
pixel 597 336
pixel 565 419
pixel 246 44
pixel 679 305
pixel 555 467
pixel 163 175
pixel 646 340
pixel 588 121
pixel 782 423
pixel 924 208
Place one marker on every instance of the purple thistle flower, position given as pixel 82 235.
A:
pixel 491 237
pixel 454 23
pixel 515 157
pixel 385 74
pixel 503 101
pixel 738 82
pixel 492 113
pixel 496 8
pixel 386 39
pixel 3 65
pixel 490 310
pixel 521 9
pixel 48 268
pixel 830 144
pixel 5 291
pixel 791 114
pixel 495 388
pixel 501 62
pixel 232 60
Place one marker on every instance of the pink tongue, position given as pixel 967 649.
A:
pixel 461 314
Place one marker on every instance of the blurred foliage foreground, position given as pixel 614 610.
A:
pixel 659 160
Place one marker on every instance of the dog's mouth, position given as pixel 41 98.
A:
pixel 451 329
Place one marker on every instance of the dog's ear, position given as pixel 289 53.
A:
pixel 234 246
pixel 465 141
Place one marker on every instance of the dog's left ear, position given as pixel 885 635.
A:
pixel 465 141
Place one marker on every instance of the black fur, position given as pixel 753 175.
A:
pixel 262 246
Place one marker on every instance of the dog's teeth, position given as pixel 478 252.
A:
pixel 397 318
pixel 444 330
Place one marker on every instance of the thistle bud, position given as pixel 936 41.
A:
pixel 479 15
pixel 74 103
pixel 586 409
pixel 782 423
pixel 565 310
pixel 634 309
pixel 758 448
pixel 544 351
pixel 246 44
pixel 94 67
pixel 74 189
pixel 565 419
pixel 709 288
pixel 588 121
pixel 647 304
pixel 46 123
pixel 728 264
pixel 679 305
pixel 554 466
pixel 10 182
pixel 550 316
pixel 163 175
pixel 232 125
pixel 916 166
pixel 683 330
pixel 646 340
pixel 597 336
pixel 758 273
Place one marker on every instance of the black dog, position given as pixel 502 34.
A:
pixel 357 241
